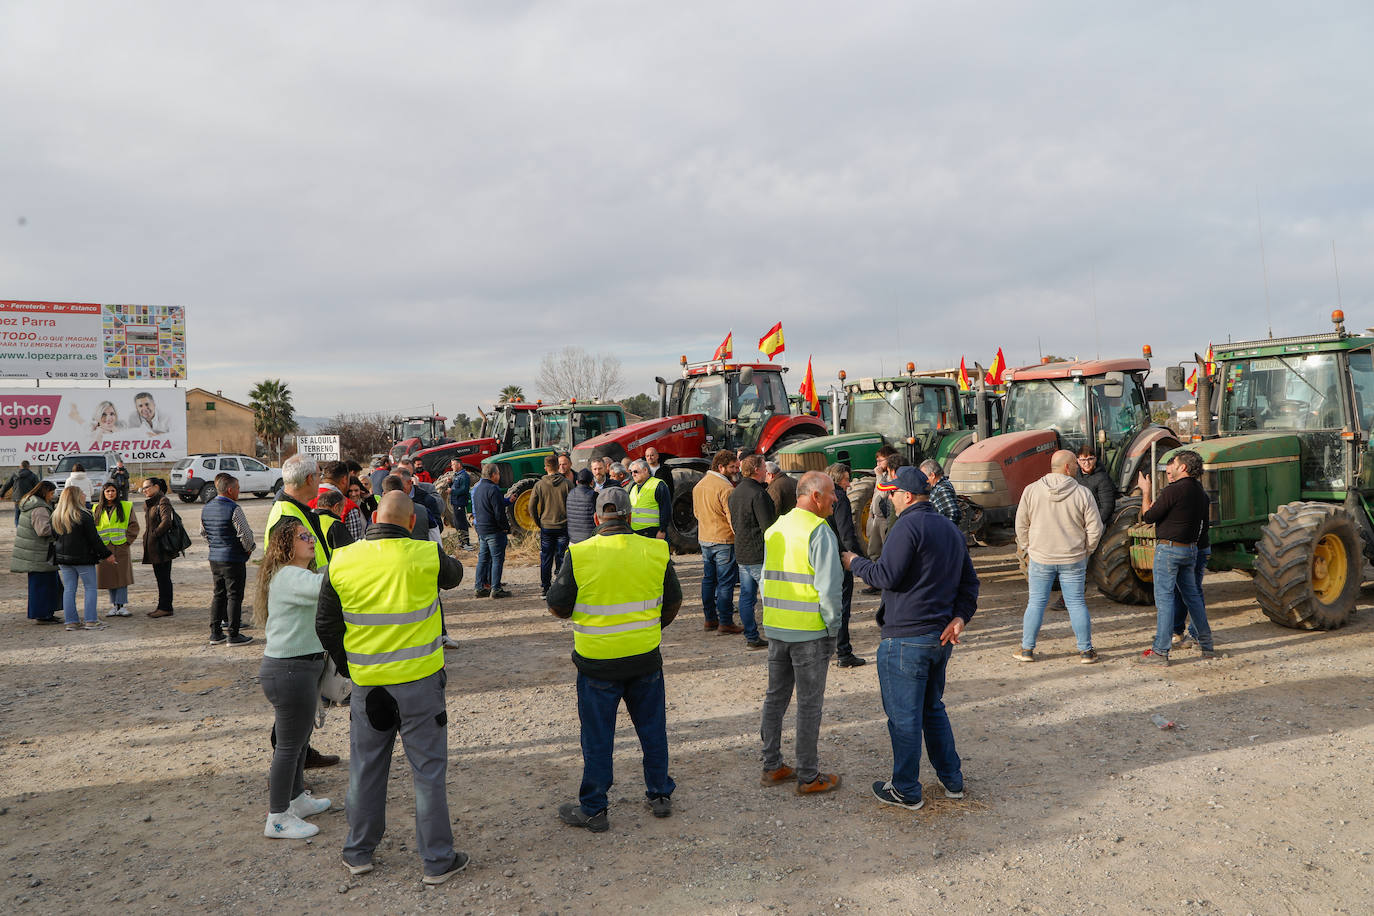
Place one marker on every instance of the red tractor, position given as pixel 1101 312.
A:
pixel 713 406
pixel 508 427
pixel 412 434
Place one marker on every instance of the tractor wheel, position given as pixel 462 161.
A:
pixel 521 521
pixel 1308 566
pixel 860 501
pixel 970 520
pixel 1110 565
pixel 682 533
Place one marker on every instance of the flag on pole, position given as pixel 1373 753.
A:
pixel 771 344
pixel 1211 367
pixel 808 390
pixel 726 350
pixel 1191 384
pixel 999 365
pixel 963 376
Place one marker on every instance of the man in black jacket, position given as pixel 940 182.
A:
pixel 1098 481
pixel 661 471
pixel 842 522
pixel 751 513
pixel 1179 515
pixel 582 508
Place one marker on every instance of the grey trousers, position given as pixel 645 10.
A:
pixel 803 665
pixel 292 686
pixel 416 711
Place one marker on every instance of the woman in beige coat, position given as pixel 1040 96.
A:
pixel 118 526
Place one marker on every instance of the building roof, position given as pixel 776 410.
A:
pixel 214 394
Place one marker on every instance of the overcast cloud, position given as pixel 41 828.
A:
pixel 389 205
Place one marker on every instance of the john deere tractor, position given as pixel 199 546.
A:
pixel 1290 474
pixel 921 417
pixel 557 428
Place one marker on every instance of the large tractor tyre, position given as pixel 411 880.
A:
pixel 682 533
pixel 860 502
pixel 1308 566
pixel 521 520
pixel 1110 565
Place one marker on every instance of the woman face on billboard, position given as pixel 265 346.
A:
pixel 108 420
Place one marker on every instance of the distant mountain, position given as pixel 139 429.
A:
pixel 309 426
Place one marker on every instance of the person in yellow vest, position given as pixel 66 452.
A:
pixel 619 591
pixel 651 505
pixel 378 618
pixel 118 526
pixel 802 612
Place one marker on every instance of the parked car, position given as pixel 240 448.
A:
pixel 96 464
pixel 193 477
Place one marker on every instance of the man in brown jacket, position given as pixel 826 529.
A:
pixel 711 504
pixel 549 506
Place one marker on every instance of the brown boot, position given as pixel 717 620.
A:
pixel 159 613
pixel 822 783
pixel 777 777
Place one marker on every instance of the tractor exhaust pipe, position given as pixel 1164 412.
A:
pixel 1204 400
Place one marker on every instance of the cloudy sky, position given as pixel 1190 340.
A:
pixel 388 205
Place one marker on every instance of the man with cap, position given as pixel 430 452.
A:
pixel 619 591
pixel 802 585
pixel 930 592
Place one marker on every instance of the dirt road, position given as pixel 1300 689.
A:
pixel 133 767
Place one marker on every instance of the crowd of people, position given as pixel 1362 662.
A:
pixel 353 564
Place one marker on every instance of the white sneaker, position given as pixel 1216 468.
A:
pixel 112 612
pixel 307 805
pixel 286 826
pixel 123 611
pixel 448 642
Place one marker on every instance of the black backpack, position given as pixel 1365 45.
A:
pixel 174 541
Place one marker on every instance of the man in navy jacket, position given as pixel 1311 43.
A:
pixel 930 593
pixel 489 518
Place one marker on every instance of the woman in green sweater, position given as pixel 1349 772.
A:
pixel 288 590
pixel 33 543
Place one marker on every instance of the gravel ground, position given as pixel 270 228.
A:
pixel 133 769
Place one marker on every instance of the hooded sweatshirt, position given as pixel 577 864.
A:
pixel 1057 521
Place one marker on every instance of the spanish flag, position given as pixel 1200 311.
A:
pixel 963 376
pixel 1211 368
pixel 999 365
pixel 808 390
pixel 770 344
pixel 1191 384
pixel 726 350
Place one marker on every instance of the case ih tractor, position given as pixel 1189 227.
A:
pixel 922 417
pixel 506 428
pixel 558 428
pixel 412 434
pixel 1291 475
pixel 1066 405
pixel 713 406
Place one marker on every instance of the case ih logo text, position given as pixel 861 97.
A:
pixel 22 415
pixel 679 427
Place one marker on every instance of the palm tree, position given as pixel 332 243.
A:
pixel 511 393
pixel 274 417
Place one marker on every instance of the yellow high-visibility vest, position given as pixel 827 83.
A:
pixel 389 592
pixel 619 595
pixel 790 598
pixel 644 504
pixel 112 531
pixel 282 507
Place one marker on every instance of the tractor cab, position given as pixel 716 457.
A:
pixel 801 408
pixel 737 401
pixel 562 426
pixel 412 434
pixel 510 425
pixel 914 415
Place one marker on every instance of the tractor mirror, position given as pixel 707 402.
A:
pixel 918 394
pixel 1112 390
pixel 1156 393
pixel 746 376
pixel 1173 378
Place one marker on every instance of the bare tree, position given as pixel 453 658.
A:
pixel 572 372
pixel 360 434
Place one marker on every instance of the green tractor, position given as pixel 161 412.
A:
pixel 1290 473
pixel 802 409
pixel 556 428
pixel 922 417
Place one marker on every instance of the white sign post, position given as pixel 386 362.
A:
pixel 321 448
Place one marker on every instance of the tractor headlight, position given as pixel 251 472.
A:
pixel 973 486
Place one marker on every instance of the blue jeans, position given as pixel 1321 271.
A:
pixel 1180 606
pixel 70 575
pixel 491 559
pixel 119 596
pixel 553 545
pixel 749 578
pixel 718 575
pixel 1071 580
pixel 598 702
pixel 1174 568
pixel 911 673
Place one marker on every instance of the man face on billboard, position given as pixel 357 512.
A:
pixel 145 407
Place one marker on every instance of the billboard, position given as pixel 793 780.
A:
pixel 43 424
pixel 87 340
